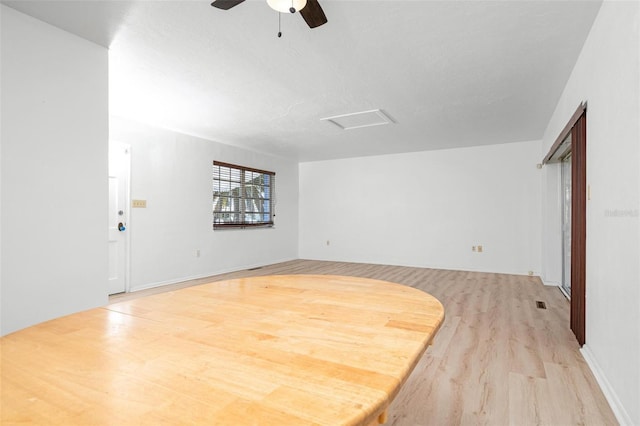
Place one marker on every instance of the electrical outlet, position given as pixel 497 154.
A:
pixel 473 248
pixel 479 249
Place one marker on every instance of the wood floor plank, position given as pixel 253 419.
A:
pixel 497 360
pixel 525 393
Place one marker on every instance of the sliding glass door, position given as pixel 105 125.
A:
pixel 566 224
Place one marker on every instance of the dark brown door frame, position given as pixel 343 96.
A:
pixel 577 126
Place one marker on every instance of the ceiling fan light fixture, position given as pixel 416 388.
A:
pixel 285 6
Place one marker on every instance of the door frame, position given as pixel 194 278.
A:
pixel 577 127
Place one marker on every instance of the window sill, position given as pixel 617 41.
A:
pixel 238 227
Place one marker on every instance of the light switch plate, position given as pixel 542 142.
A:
pixel 139 204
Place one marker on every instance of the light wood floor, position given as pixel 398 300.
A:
pixel 497 360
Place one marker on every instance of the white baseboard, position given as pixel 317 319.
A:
pixel 550 283
pixel 612 398
pixel 169 282
pixel 208 274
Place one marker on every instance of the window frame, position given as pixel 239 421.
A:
pixel 242 199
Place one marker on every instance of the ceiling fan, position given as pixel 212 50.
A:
pixel 310 10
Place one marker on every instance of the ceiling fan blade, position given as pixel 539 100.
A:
pixel 313 14
pixel 226 4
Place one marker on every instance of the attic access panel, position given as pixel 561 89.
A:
pixel 358 120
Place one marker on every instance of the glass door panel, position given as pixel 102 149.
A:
pixel 566 224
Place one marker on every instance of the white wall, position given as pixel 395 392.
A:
pixel 426 209
pixel 607 76
pixel 173 172
pixel 54 172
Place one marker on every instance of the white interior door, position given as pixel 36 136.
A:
pixel 119 169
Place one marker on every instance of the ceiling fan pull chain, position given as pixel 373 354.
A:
pixel 279 25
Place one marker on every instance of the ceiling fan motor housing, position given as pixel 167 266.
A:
pixel 287 5
pixel 310 10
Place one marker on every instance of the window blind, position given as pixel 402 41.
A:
pixel 242 196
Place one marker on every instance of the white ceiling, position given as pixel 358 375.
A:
pixel 449 73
